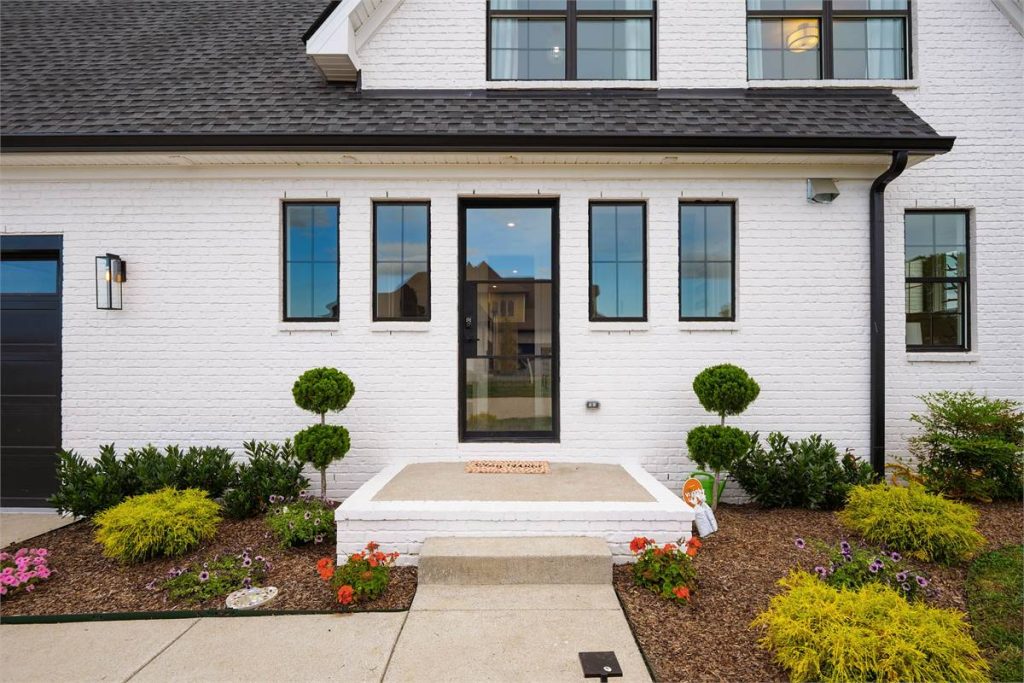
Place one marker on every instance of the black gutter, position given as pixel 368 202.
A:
pixel 321 18
pixel 877 259
pixel 468 142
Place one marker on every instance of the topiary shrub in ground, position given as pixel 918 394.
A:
pixel 805 474
pixel 995 601
pixel 297 522
pixel 666 570
pixel 269 470
pixel 819 633
pixel 164 523
pixel 215 577
pixel 364 577
pixel 320 445
pixel 322 390
pixel 724 390
pixel 913 521
pixel 971 446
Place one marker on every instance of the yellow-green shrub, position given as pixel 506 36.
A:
pixel 167 522
pixel 820 633
pixel 913 521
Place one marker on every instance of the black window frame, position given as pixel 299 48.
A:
pixel 827 16
pixel 284 259
pixel 429 307
pixel 731 203
pixel 964 281
pixel 590 260
pixel 571 14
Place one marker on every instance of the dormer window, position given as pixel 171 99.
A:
pixel 830 39
pixel 556 40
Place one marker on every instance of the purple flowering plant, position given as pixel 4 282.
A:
pixel 22 570
pixel 215 577
pixel 850 566
pixel 302 520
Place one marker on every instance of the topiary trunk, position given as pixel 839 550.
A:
pixel 323 484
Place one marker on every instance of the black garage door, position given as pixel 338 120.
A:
pixel 30 368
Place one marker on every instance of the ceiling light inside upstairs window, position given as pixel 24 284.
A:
pixel 801 35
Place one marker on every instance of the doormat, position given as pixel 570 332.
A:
pixel 507 467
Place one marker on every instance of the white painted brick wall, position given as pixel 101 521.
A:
pixel 198 355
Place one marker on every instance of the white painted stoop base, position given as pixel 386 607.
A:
pixel 404 525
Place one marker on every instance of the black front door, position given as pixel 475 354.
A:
pixel 508 322
pixel 30 368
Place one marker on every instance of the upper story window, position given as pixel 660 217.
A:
pixel 832 39
pixel 556 40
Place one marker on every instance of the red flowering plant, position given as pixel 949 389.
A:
pixel 666 569
pixel 364 577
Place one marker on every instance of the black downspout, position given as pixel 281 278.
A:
pixel 877 247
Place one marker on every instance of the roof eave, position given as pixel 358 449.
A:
pixel 470 143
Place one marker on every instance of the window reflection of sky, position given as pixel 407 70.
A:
pixel 514 242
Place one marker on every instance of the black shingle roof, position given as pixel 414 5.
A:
pixel 92 74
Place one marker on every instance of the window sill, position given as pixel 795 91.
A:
pixel 947 357
pixel 709 326
pixel 389 326
pixel 888 84
pixel 623 326
pixel 567 85
pixel 331 326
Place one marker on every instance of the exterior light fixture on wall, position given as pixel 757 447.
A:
pixel 802 36
pixel 821 190
pixel 111 272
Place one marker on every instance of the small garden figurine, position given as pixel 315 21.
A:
pixel 694 496
pixel 725 390
pixel 321 390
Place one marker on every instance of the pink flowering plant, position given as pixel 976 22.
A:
pixel 300 521
pixel 23 570
pixel 850 566
pixel 218 576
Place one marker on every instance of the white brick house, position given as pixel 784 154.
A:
pixel 178 134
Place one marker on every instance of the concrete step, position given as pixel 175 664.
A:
pixel 504 561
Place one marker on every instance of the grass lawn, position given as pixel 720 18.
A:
pixel 995 600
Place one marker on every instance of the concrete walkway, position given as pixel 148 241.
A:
pixel 452 633
pixel 21 524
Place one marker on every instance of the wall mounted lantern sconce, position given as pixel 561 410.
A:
pixel 111 272
pixel 821 190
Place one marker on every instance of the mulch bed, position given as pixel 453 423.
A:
pixel 86 582
pixel 737 568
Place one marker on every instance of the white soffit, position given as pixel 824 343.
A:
pixel 334 46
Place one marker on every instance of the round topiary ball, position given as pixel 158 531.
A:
pixel 716 447
pixel 320 445
pixel 725 389
pixel 323 390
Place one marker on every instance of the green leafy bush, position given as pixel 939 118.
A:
pixel 164 523
pixel 805 474
pixel 365 576
pixel 85 487
pixel 725 389
pixel 218 576
pixel 819 633
pixel 971 446
pixel 269 470
pixel 205 467
pixel 852 567
pixel 913 521
pixel 320 445
pixel 297 522
pixel 995 601
pixel 667 570
pixel 323 390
